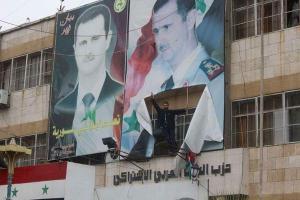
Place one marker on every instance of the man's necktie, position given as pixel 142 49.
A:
pixel 168 84
pixel 87 101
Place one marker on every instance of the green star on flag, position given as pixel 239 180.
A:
pixel 132 122
pixel 14 192
pixel 45 189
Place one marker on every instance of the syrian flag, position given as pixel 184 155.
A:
pixel 204 126
pixel 61 180
pixel 144 117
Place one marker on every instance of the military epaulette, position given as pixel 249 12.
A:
pixel 211 68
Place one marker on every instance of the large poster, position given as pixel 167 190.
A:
pixel 173 47
pixel 88 78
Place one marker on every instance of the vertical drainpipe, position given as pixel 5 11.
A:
pixel 261 119
pixel 25 74
pixel 227 73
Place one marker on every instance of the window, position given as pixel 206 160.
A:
pixel 5 74
pixel 182 123
pixel 41 148
pixel 273 120
pixel 181 126
pixel 33 69
pixel 38 145
pixel 18 73
pixel 293 115
pixel 244 131
pixel 29 142
pixel 243 19
pixel 47 66
pixel 291 13
pixel 37 72
pixel 281 120
pixel 272 15
pixel 246 16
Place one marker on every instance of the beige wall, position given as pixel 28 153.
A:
pixel 281 164
pixel 28 112
pixel 282 61
pixel 281 172
pixel 26 40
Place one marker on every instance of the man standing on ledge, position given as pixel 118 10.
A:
pixel 166 122
pixel 93 98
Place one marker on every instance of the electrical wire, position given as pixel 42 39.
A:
pixel 73 35
pixel 72 55
pixel 114 52
pixel 21 5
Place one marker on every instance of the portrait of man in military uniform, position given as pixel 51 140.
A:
pixel 183 59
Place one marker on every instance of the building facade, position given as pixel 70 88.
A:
pixel 26 66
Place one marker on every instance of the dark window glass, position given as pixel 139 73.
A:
pixel 293 99
pixel 19 73
pixel 251 122
pixel 5 74
pixel 291 13
pixel 294 133
pixel 294 116
pixel 239 3
pixel 268 137
pixel 252 139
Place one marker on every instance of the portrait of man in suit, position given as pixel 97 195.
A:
pixel 88 110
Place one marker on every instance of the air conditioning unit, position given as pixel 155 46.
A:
pixel 4 98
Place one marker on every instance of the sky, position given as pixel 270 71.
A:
pixel 17 11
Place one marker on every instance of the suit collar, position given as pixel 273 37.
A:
pixel 68 103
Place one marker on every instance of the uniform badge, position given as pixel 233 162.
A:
pixel 211 68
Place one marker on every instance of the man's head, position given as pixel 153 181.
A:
pixel 173 27
pixel 94 40
pixel 165 105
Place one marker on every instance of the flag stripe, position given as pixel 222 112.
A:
pixel 34 190
pixel 45 172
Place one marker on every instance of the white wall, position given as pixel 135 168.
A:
pixel 231 183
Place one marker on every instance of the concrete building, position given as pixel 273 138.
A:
pixel 26 59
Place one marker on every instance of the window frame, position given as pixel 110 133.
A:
pixel 33 66
pixel 20 75
pixel 281 15
pixel 283 127
pixel 32 159
pixel 5 74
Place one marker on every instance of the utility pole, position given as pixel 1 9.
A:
pixel 11 153
pixel 261 106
